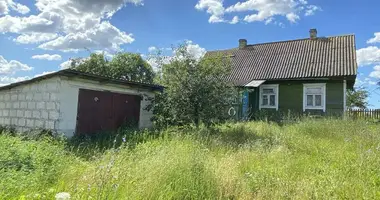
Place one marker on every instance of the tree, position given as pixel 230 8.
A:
pixel 126 66
pixel 357 98
pixel 195 90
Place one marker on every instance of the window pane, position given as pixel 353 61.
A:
pixel 265 100
pixel 309 100
pixel 314 91
pixel 318 100
pixel 268 91
pixel 272 100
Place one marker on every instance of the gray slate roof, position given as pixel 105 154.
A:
pixel 294 59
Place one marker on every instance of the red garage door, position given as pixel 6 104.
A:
pixel 106 111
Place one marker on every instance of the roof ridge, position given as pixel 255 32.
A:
pixel 284 41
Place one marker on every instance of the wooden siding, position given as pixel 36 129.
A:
pixel 291 98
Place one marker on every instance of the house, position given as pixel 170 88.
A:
pixel 301 76
pixel 73 102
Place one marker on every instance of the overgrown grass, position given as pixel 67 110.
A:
pixel 319 159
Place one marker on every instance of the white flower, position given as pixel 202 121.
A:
pixel 62 196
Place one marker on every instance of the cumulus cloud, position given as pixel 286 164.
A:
pixel 152 49
pixel 10 67
pixel 80 24
pixel 375 39
pixel 6 5
pixel 6 80
pixel 35 38
pixel 47 57
pixel 376 72
pixel 44 73
pixel 260 10
pixel 369 55
pixel 66 64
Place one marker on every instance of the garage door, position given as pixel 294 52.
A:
pixel 106 111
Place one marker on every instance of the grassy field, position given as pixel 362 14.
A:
pixel 324 159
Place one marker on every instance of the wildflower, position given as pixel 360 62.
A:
pixel 62 196
pixel 124 139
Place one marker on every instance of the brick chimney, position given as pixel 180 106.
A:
pixel 313 34
pixel 242 43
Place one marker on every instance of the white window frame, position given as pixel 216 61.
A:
pixel 276 91
pixel 314 85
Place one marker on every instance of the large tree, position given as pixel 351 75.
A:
pixel 126 66
pixel 196 91
pixel 357 98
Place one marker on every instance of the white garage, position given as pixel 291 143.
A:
pixel 73 102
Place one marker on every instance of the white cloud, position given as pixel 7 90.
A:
pixel 376 72
pixel 44 73
pixel 195 50
pixel 66 64
pixel 6 4
pixel 35 38
pixel 6 80
pixel 375 39
pixel 292 17
pixel 311 9
pixel 369 55
pixel 152 49
pixel 80 24
pixel 47 57
pixel 214 8
pixel 234 20
pixel 12 66
pixel 261 10
pixel 102 36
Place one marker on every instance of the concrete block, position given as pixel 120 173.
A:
pixel 28 114
pixel 26 88
pixel 53 96
pixel 42 87
pixel 44 114
pixel 7 97
pixel 16 105
pixel 1 121
pixel 36 114
pixel 29 96
pixel 46 96
pixel 37 97
pixel 21 97
pixel 57 106
pixel 30 123
pixel 2 105
pixel 34 87
pixel 50 105
pixel 49 125
pixel 5 113
pixel 14 97
pixel 1 96
pixel 8 105
pixel 14 121
pixel 13 113
pixel 31 105
pixel 23 105
pixel 21 122
pixel 41 105
pixel 53 115
pixel 1 113
pixel 52 86
pixel 39 124
pixel 7 121
pixel 20 113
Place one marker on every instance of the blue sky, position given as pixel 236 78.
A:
pixel 37 36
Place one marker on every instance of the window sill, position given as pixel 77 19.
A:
pixel 314 108
pixel 268 107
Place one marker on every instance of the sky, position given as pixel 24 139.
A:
pixel 41 36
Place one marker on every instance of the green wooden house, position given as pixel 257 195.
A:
pixel 297 76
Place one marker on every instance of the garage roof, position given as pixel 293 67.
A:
pixel 75 73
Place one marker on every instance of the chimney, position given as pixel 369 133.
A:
pixel 313 34
pixel 242 43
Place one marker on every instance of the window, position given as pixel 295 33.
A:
pixel 314 96
pixel 269 96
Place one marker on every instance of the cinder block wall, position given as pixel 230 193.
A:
pixel 31 106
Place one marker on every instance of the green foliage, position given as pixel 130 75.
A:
pixel 357 98
pixel 196 91
pixel 126 66
pixel 311 159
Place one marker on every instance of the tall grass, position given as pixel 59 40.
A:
pixel 319 159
